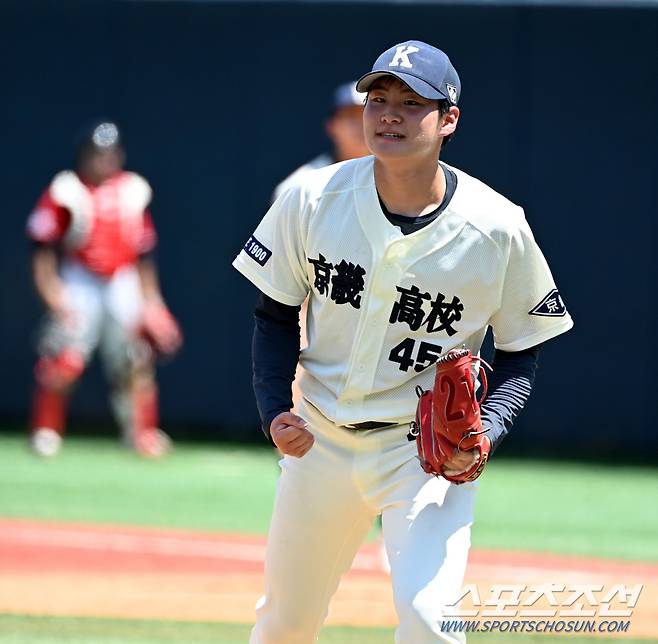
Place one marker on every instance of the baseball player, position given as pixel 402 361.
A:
pixel 93 269
pixel 344 127
pixel 403 259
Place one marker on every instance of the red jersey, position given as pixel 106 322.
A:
pixel 104 227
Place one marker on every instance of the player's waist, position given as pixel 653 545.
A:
pixel 375 411
pixel 75 271
pixel 357 426
pixel 377 440
pixel 101 269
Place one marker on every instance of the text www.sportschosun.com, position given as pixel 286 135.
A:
pixel 535 626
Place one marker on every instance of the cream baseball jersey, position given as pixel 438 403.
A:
pixel 384 306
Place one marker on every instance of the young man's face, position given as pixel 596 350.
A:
pixel 98 165
pixel 400 123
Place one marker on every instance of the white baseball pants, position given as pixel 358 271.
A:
pixel 106 312
pixel 325 504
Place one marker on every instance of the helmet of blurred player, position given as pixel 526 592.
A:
pixel 99 150
pixel 101 134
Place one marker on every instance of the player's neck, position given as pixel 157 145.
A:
pixel 410 189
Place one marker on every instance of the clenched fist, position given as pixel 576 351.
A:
pixel 290 434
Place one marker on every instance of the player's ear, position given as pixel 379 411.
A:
pixel 449 121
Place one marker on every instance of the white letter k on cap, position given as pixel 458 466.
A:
pixel 401 58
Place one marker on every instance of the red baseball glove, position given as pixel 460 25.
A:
pixel 448 417
pixel 160 329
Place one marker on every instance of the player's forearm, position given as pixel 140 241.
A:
pixel 275 353
pixel 46 278
pixel 148 279
pixel 510 386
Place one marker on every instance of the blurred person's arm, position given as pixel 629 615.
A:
pixel 158 325
pixel 149 280
pixel 47 282
pixel 146 266
pixel 46 226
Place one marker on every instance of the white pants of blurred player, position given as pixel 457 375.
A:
pixel 104 314
pixel 326 502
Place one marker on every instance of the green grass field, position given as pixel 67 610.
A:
pixel 56 630
pixel 95 480
pixel 568 508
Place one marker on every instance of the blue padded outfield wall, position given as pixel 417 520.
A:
pixel 219 101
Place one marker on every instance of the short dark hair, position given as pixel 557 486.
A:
pixel 444 108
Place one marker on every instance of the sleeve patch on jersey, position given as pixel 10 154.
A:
pixel 257 251
pixel 551 306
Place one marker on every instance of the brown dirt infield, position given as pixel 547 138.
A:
pixel 49 568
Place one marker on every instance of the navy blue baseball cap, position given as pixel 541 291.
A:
pixel 425 69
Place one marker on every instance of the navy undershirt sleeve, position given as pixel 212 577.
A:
pixel 510 385
pixel 275 353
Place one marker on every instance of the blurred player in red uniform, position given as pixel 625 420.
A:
pixel 94 271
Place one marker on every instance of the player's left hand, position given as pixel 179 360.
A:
pixel 461 462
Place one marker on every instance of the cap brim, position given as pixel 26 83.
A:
pixel 414 83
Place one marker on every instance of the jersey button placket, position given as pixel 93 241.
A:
pixel 371 338
pixel 386 278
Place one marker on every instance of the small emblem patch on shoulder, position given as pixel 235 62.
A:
pixel 551 306
pixel 257 251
